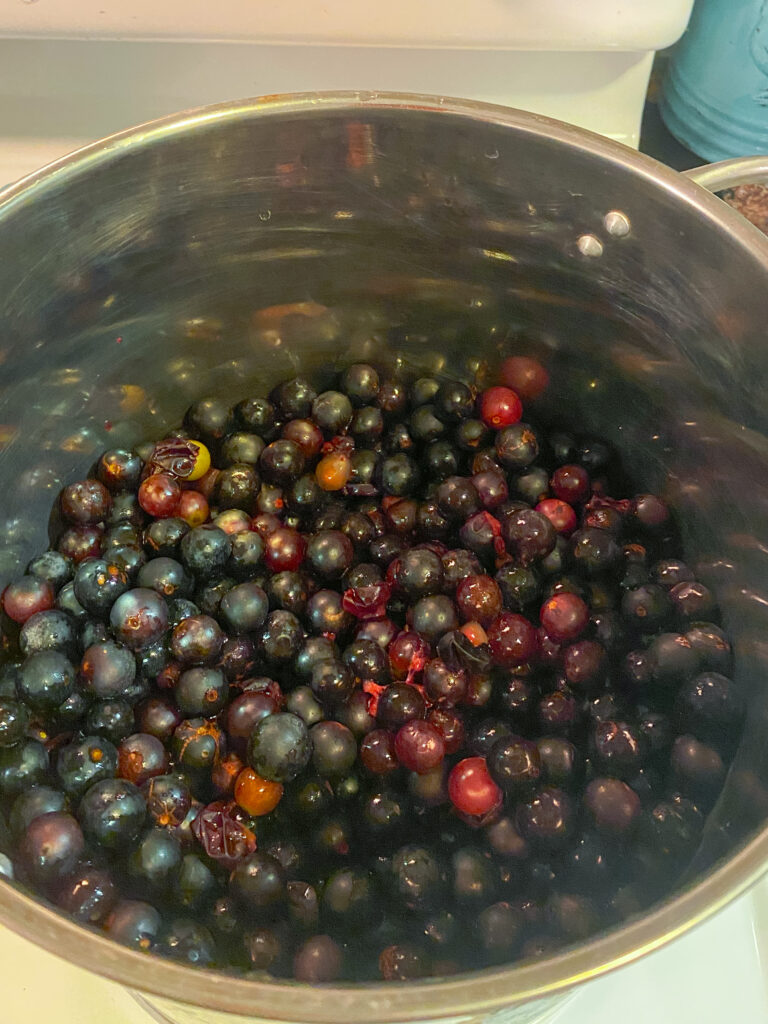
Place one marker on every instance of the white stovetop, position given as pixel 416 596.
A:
pixel 56 95
pixel 714 975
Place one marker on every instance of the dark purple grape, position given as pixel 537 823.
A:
pixel 697 768
pixel 51 847
pixel 21 766
pixel 711 707
pixel 88 894
pixel 712 646
pixel 613 806
pixel 673 827
pixel 433 616
pixel 107 671
pixel 281 637
pixel 163 536
pixel 258 883
pixel 332 682
pixel 47 678
pixel 318 960
pixel 134 923
pixel 205 550
pixel 517 446
pixel 97 585
pixel 112 814
pixel 155 862
pixel 672 659
pixel 189 942
pixel 197 640
pixel 692 602
pixel 618 748
pixel 515 764
pixel 83 762
pixel 400 703
pixel 528 534
pixel 52 566
pixel 546 818
pixel 499 930
pixel 280 747
pixel 646 608
pixel 326 614
pixel 594 551
pixel 138 618
pixel 140 757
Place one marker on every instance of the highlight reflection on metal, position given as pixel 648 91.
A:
pixel 589 245
pixel 617 223
pixel 131 280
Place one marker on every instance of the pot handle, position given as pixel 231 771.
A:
pixel 744 170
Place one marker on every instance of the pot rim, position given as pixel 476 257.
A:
pixel 478 992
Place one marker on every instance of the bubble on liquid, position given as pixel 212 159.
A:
pixel 265 215
pixel 492 154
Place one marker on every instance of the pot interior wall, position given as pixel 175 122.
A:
pixel 140 278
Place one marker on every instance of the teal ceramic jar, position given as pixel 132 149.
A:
pixel 715 97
